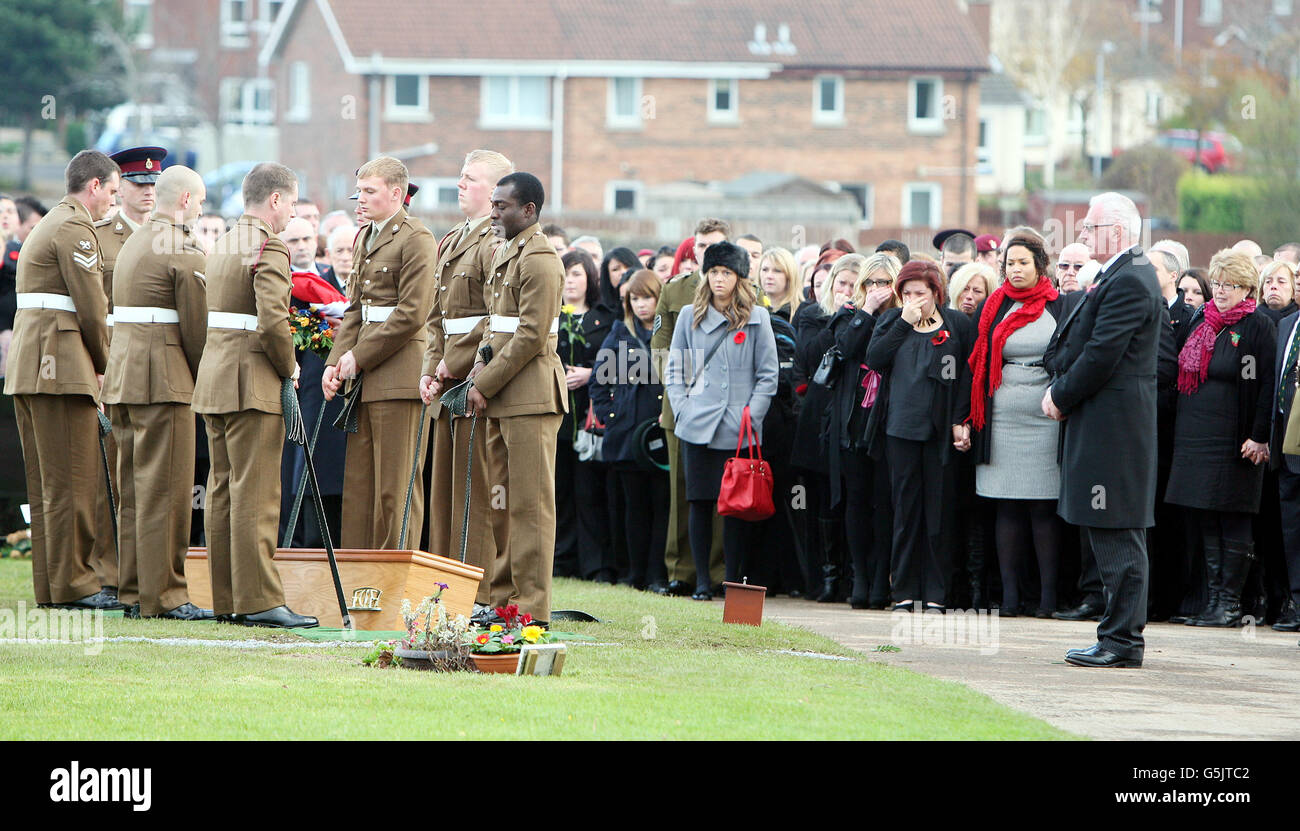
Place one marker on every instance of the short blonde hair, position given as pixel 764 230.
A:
pixel 392 171
pixel 880 261
pixel 1276 265
pixel 784 262
pixel 849 262
pixel 961 279
pixel 498 165
pixel 1236 268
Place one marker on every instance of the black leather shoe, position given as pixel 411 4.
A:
pixel 657 588
pixel 1043 614
pixel 281 617
pixel 703 594
pixel 903 606
pixel 1084 611
pixel 1289 620
pixel 188 611
pixel 1097 657
pixel 229 618
pixel 111 591
pixel 132 612
pixel 678 588
pixel 98 601
pixel 858 603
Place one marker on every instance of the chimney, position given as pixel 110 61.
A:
pixel 978 12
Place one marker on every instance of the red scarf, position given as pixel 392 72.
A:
pixel 983 364
pixel 1194 360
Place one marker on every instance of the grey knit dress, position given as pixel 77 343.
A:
pixel 1022 460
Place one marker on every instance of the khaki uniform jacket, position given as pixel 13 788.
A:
pixel 675 295
pixel 463 265
pixel 57 352
pixel 397 271
pixel 525 376
pixel 241 370
pixel 160 266
pixel 112 233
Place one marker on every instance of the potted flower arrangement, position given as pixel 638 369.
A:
pixel 495 648
pixel 433 640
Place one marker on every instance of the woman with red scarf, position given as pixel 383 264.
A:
pixel 1014 444
pixel 1225 392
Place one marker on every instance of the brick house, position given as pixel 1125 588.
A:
pixel 604 99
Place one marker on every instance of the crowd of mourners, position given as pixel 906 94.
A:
pixel 897 398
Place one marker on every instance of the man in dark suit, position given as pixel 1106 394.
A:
pixel 1104 359
pixel 1284 455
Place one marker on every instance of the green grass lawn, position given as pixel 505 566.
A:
pixel 696 678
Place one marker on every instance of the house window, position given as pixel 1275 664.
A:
pixel 299 91
pixel 983 152
pixel 235 16
pixel 724 101
pixel 622 197
pixel 408 98
pixel 623 109
pixel 1282 8
pixel 865 196
pixel 437 194
pixel 921 203
pixel 271 10
pixel 513 102
pixel 924 105
pixel 247 100
pixel 1154 101
pixel 1211 12
pixel 1035 125
pixel 828 99
pixel 139 21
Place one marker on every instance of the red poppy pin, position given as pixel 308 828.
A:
pixel 1236 337
pixel 940 337
pixel 739 338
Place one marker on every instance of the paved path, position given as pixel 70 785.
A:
pixel 1195 683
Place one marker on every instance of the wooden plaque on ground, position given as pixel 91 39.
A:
pixel 374 583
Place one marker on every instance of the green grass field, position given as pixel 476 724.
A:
pixel 695 678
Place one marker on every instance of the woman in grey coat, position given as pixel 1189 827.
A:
pixel 723 359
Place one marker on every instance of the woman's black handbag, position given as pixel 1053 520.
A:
pixel 829 368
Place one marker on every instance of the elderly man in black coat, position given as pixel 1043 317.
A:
pixel 1104 360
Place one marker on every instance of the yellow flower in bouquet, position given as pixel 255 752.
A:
pixel 567 308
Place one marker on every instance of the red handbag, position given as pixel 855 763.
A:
pixel 746 491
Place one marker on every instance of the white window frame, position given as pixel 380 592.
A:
pixel 417 112
pixel 928 126
pixel 143 40
pixel 624 184
pixel 512 120
pixel 248 101
pixel 868 218
pixel 427 197
pixel 1208 19
pixel 984 151
pixel 299 108
pixel 1283 8
pixel 615 120
pixel 728 116
pixel 235 33
pixel 264 16
pixel 824 118
pixel 936 204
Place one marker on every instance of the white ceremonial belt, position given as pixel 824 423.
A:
pixel 376 314
pixel 460 325
pixel 43 300
pixel 501 323
pixel 143 314
pixel 232 320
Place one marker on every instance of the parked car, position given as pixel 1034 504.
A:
pixel 1219 151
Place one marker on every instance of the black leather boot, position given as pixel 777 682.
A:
pixel 1236 560
pixel 832 556
pixel 1213 575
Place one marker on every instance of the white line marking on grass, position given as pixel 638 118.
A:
pixel 823 656
pixel 229 644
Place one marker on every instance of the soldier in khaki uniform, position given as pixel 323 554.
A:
pixel 249 350
pixel 160 326
pixel 521 386
pixel 457 320
pixel 676 294
pixel 140 167
pixel 383 336
pixel 55 368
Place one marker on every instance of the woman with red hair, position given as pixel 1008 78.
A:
pixel 918 424
pixel 684 259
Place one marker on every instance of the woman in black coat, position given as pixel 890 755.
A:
pixel 862 481
pixel 1226 357
pixel 582 537
pixel 626 393
pixel 918 425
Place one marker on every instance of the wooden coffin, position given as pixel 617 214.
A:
pixel 374 583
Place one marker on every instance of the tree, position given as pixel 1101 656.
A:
pixel 55 57
pixel 1268 124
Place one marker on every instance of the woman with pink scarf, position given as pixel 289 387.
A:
pixel 1225 372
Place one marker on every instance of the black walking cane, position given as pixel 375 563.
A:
pixel 105 428
pixel 296 432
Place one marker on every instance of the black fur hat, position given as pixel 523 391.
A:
pixel 726 255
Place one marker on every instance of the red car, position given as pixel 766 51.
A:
pixel 1219 151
